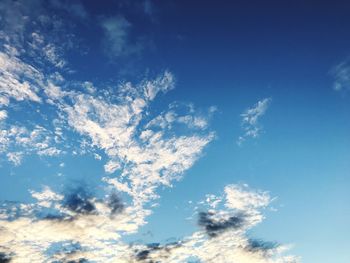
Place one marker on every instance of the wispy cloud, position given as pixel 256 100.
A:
pixel 18 80
pixel 117 37
pixel 341 74
pixel 75 8
pixel 250 120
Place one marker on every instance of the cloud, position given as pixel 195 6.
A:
pixel 4 258
pixel 239 198
pixel 250 120
pixel 15 157
pixel 47 197
pixel 79 202
pixel 3 115
pixel 18 80
pixel 225 236
pixel 341 74
pixel 75 217
pixel 117 37
pixel 115 203
pixel 187 116
pixel 142 151
pixel 86 228
pixel 19 141
pixel 214 227
pixel 15 19
pixel 51 54
pixel 75 8
pixel 113 122
pixel 258 245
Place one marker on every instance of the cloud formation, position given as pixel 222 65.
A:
pixel 114 122
pixel 140 150
pixel 85 228
pixel 224 237
pixel 250 120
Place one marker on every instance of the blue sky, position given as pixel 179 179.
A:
pixel 174 131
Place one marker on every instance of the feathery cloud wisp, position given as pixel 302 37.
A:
pixel 341 74
pixel 250 120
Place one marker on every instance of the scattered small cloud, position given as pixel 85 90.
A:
pixel 250 120
pixel 15 157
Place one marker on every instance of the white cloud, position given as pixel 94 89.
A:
pixel 111 166
pixel 3 115
pixel 15 157
pixel 47 197
pixel 116 128
pixel 19 141
pixel 18 80
pixel 241 198
pixel 250 120
pixel 191 118
pixel 51 54
pixel 50 151
pixel 97 156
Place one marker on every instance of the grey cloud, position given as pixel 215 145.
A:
pixel 163 251
pixel 4 258
pixel 82 260
pixel 255 245
pixel 115 204
pixel 215 227
pixel 79 201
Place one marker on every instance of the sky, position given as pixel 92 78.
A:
pixel 174 131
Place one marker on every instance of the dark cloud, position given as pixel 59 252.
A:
pixel 143 254
pixel 215 227
pixel 4 258
pixel 55 217
pixel 81 260
pixel 115 204
pixel 164 251
pixel 79 201
pixel 255 245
